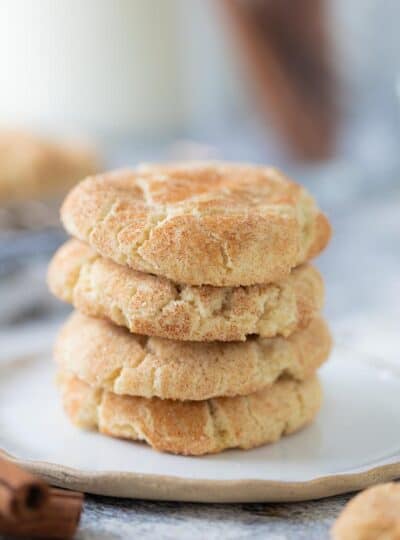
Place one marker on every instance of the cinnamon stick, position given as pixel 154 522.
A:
pixel 287 53
pixel 21 493
pixel 58 519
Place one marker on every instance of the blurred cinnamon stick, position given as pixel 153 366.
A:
pixel 58 519
pixel 30 508
pixel 21 494
pixel 286 48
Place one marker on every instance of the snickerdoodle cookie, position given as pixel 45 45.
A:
pixel 110 357
pixel 155 306
pixel 34 167
pixel 211 223
pixel 373 514
pixel 194 427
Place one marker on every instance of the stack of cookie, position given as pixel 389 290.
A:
pixel 198 325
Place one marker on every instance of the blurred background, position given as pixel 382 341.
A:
pixel 310 86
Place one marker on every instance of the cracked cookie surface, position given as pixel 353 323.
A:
pixel 153 305
pixel 194 427
pixel 108 357
pixel 199 223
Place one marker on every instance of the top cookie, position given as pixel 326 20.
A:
pixel 199 223
pixel 32 167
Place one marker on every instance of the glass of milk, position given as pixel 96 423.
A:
pixel 102 66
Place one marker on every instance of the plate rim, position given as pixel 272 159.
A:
pixel 174 488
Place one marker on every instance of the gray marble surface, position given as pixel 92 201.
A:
pixel 114 519
pixel 361 270
pixel 121 519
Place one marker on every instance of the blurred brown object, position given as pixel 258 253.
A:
pixel 286 48
pixel 372 514
pixel 21 493
pixel 58 519
pixel 34 168
pixel 30 508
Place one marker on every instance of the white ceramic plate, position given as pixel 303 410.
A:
pixel 354 443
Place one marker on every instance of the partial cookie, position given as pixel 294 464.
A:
pixel 155 306
pixel 212 223
pixel 194 427
pixel 109 357
pixel 31 167
pixel 372 515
